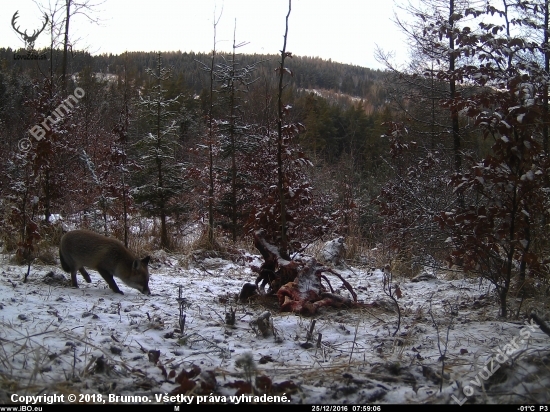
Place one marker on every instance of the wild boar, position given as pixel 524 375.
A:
pixel 83 248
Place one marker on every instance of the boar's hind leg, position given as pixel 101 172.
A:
pixel 74 282
pixel 85 275
pixel 110 281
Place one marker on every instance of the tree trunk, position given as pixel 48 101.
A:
pixel 125 208
pixel 66 45
pixel 233 148
pixel 105 225
pixel 164 242
pixel 503 295
pixel 211 146
pixel 47 197
pixel 454 112
pixel 452 89
pixel 527 237
pixel 280 174
pixel 547 69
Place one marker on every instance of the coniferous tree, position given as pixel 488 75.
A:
pixel 160 174
pixel 208 102
pixel 235 139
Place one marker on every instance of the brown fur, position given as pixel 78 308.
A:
pixel 108 256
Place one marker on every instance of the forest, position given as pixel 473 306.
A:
pixel 440 164
pixel 339 106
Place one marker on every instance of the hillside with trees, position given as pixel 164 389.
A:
pixel 340 106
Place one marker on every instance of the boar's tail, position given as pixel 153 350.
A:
pixel 64 265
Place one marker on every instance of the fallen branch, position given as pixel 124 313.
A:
pixel 298 283
pixel 543 326
pixel 346 283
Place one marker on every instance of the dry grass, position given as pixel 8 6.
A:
pixel 405 266
pixel 315 249
pixel 203 242
pixel 8 242
pixel 22 352
pixel 47 254
pixel 356 249
pixel 45 249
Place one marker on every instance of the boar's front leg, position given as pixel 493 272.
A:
pixel 110 281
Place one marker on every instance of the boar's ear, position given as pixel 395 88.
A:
pixel 135 265
pixel 146 260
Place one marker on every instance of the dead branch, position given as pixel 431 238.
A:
pixel 543 326
pixel 297 283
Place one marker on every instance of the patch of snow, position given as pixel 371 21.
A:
pixel 53 335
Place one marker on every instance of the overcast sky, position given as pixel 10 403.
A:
pixel 345 31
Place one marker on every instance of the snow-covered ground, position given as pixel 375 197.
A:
pixel 57 339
